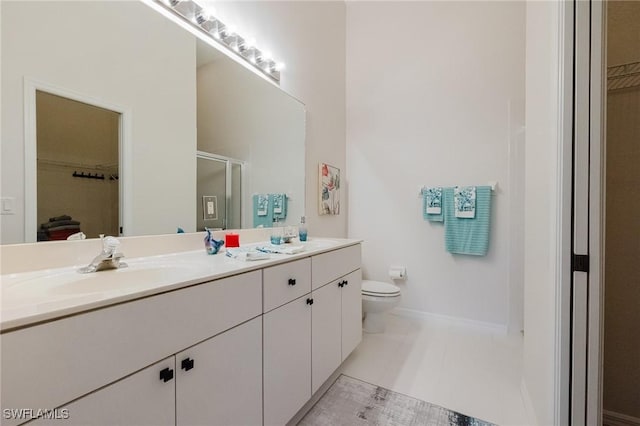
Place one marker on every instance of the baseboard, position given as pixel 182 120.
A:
pixel 429 316
pixel 611 418
pixel 528 405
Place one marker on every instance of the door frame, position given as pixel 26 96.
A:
pixel 125 152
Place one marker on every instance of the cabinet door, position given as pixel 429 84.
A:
pixel 325 333
pixel 143 398
pixel 219 381
pixel 287 361
pixel 351 312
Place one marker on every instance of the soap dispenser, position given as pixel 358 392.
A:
pixel 302 230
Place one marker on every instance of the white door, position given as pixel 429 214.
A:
pixel 325 332
pixel 219 381
pixel 587 239
pixel 287 360
pixel 351 312
pixel 144 398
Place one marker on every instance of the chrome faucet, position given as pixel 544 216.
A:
pixel 109 258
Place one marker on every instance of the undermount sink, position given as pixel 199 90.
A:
pixel 324 243
pixel 71 282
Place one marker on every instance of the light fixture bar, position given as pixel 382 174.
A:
pixel 205 21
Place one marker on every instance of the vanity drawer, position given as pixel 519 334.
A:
pixel 44 366
pixel 284 283
pixel 329 266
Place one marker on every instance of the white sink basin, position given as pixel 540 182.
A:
pixel 320 244
pixel 69 282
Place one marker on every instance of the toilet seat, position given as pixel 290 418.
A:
pixel 379 289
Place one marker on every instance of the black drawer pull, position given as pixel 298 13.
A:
pixel 187 364
pixel 341 284
pixel 292 281
pixel 345 282
pixel 309 301
pixel 166 374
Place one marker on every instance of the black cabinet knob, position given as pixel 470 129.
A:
pixel 292 281
pixel 187 364
pixel 341 284
pixel 166 375
pixel 345 282
pixel 309 301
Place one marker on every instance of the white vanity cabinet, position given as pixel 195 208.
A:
pixel 145 398
pixel 219 381
pixel 326 354
pixel 287 360
pixel 306 338
pixel 51 364
pixel 247 349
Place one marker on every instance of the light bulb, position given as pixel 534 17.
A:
pixel 250 42
pixel 280 66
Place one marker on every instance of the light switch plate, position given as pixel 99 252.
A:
pixel 7 205
pixel 209 207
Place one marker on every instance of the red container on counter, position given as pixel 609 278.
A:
pixel 231 240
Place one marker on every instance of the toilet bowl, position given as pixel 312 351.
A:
pixel 377 298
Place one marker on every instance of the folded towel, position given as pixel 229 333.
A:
pixel 53 224
pixel 57 218
pixel 279 204
pixel 75 228
pixel 464 198
pixel 466 235
pixel 432 204
pixel 281 249
pixel 262 214
pixel 246 254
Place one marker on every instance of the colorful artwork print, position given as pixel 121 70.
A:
pixel 329 190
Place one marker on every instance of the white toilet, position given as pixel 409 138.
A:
pixel 377 298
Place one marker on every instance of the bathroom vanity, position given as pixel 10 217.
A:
pixel 180 339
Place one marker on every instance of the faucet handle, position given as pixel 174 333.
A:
pixel 110 244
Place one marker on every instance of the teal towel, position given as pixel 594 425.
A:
pixel 429 195
pixel 278 206
pixel 262 213
pixel 464 235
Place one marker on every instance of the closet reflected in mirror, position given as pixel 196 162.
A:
pixel 77 168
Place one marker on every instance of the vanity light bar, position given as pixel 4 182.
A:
pixel 203 19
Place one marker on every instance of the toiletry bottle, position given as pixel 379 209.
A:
pixel 302 230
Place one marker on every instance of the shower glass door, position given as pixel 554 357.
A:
pixel 219 192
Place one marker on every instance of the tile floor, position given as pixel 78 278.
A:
pixel 470 369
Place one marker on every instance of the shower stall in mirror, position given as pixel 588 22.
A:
pixel 219 192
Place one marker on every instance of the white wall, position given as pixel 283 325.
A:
pixel 309 38
pixel 435 96
pixel 541 206
pixel 93 48
pixel 268 133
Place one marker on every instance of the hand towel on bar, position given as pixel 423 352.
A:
pixel 262 214
pixel 279 205
pixel 463 235
pixel 464 199
pixel 432 204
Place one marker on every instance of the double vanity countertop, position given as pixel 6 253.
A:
pixel 29 298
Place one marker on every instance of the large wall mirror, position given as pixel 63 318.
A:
pixel 117 120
